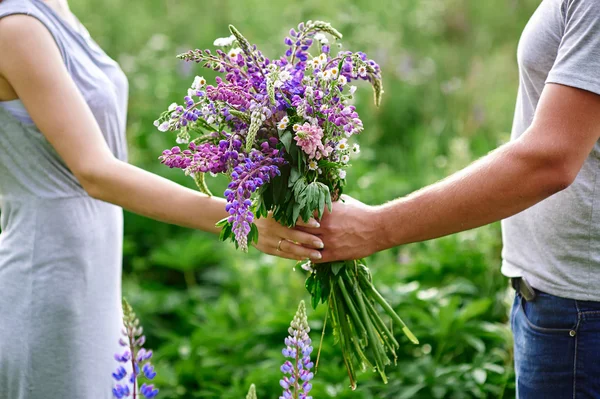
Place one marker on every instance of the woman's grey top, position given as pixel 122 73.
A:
pixel 60 250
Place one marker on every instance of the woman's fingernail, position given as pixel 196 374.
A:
pixel 314 223
pixel 316 255
pixel 319 244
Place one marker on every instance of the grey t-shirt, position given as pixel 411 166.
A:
pixel 555 244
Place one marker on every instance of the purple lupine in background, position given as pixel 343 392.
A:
pixel 297 371
pixel 135 355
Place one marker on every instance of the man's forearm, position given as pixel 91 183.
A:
pixel 504 183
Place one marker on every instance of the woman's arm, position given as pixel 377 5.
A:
pixel 33 66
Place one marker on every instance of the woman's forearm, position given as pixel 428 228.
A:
pixel 150 195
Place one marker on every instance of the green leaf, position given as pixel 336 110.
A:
pixel 253 234
pixel 222 222
pixel 296 212
pixel 225 232
pixel 280 185
pixel 310 283
pixel 475 309
pixel 321 205
pixel 316 296
pixel 286 139
pixel 336 267
pixel 294 176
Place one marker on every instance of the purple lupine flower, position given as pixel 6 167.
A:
pixel 297 372
pixel 256 170
pixel 138 356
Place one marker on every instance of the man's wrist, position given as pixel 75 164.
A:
pixel 384 230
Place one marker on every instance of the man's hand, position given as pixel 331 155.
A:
pixel 349 232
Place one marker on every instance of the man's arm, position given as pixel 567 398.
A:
pixel 543 161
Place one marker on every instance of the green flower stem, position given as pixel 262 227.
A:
pixel 379 322
pixel 351 307
pixel 336 320
pixel 376 345
pixel 389 310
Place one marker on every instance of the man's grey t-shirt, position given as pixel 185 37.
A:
pixel 555 244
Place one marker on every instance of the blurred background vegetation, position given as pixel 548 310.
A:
pixel 217 318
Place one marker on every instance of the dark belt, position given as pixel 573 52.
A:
pixel 523 288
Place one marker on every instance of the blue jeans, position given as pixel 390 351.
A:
pixel 557 347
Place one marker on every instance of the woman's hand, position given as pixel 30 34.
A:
pixel 278 240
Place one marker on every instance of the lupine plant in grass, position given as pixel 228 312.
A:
pixel 297 371
pixel 280 130
pixel 134 356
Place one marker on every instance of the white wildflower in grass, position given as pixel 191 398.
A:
pixel 320 37
pixel 345 158
pixel 172 107
pixel 342 173
pixel 224 41
pixel 312 165
pixel 356 149
pixel 342 145
pixel 199 82
pixel 163 127
pixel 342 80
pixel 352 90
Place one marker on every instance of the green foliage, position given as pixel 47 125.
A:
pixel 217 318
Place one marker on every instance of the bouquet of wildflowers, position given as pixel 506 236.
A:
pixel 280 130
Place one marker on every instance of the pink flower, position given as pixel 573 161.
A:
pixel 309 139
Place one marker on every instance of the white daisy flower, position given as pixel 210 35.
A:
pixel 316 62
pixel 296 127
pixel 326 75
pixel 281 125
pixel 342 145
pixel 345 158
pixel 342 80
pixel 356 149
pixel 285 120
pixel 334 73
pixel 199 81
pixel 342 173
pixel 224 41
pixel 323 58
pixel 233 53
pixel 312 165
